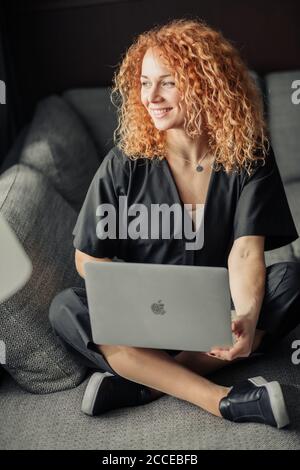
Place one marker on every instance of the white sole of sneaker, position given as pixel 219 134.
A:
pixel 91 392
pixel 276 399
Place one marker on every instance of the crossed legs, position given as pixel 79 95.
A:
pixel 181 376
pixel 184 375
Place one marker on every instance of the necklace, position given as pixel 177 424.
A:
pixel 198 167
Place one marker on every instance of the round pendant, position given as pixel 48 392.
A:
pixel 199 168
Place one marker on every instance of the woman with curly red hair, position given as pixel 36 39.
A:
pixel 191 132
pixel 215 88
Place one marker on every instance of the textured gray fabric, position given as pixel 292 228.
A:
pixel 56 422
pixel 59 146
pixel 284 118
pixel 43 222
pixel 97 111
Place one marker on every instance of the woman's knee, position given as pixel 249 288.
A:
pixel 120 357
pixel 293 273
pixel 284 279
pixel 110 350
pixel 57 306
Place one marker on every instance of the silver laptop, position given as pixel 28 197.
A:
pixel 15 266
pixel 159 305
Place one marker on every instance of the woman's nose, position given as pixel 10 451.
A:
pixel 153 94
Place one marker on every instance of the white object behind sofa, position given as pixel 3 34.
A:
pixel 15 266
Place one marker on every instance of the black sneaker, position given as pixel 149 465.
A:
pixel 255 400
pixel 105 392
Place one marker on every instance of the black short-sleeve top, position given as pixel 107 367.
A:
pixel 236 205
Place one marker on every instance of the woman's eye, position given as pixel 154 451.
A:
pixel 164 83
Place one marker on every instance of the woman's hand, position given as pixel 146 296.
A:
pixel 243 328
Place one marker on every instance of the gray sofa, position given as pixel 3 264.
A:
pixel 42 186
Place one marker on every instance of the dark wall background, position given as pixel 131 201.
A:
pixel 52 45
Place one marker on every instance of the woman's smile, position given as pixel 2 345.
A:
pixel 160 113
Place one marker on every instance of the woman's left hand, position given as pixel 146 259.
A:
pixel 243 328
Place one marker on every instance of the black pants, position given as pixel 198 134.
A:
pixel 280 314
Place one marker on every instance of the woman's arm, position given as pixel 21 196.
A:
pixel 247 274
pixel 81 258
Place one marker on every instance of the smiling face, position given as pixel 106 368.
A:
pixel 159 94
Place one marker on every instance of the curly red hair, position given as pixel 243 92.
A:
pixel 219 92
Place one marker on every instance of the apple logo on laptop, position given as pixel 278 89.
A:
pixel 158 308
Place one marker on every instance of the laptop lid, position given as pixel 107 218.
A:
pixel 158 305
pixel 15 266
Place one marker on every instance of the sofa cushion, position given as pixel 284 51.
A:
pixel 95 108
pixel 59 146
pixel 284 118
pixel 43 223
